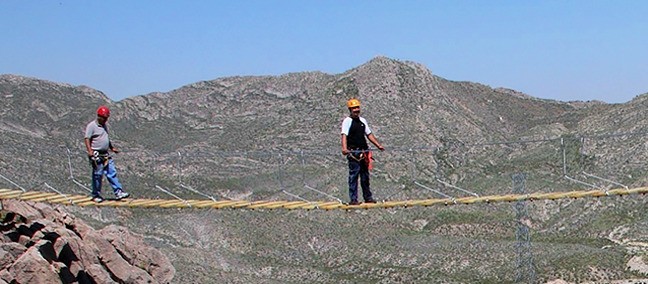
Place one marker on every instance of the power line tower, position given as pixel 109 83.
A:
pixel 525 270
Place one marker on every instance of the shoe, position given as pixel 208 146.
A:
pixel 98 199
pixel 370 201
pixel 354 202
pixel 121 195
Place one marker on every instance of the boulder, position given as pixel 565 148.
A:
pixel 133 249
pixel 42 244
pixel 33 267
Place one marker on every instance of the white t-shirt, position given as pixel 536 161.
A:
pixel 346 125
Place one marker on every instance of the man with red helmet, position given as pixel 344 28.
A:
pixel 355 148
pixel 97 145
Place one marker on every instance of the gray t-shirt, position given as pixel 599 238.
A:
pixel 98 136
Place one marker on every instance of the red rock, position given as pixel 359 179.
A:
pixel 51 246
pixel 32 267
pixel 136 252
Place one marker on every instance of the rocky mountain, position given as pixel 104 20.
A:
pixel 277 137
pixel 41 244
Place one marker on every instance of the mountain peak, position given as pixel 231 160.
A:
pixel 381 61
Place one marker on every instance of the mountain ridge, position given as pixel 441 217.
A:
pixel 258 137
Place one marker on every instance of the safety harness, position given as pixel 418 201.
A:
pixel 100 157
pixel 359 155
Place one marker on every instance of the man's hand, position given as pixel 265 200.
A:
pixel 381 148
pixel 115 150
pixel 345 152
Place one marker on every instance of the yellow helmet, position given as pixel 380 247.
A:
pixel 353 103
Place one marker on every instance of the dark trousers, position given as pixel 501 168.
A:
pixel 358 168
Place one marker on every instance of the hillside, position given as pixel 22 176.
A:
pixel 257 138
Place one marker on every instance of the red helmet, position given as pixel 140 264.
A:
pixel 103 111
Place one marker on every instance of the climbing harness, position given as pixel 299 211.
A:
pixel 360 155
pixel 99 158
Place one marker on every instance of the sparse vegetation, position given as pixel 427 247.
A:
pixel 253 137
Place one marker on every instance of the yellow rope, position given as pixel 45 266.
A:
pixel 82 200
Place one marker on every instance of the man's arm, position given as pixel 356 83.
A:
pixel 345 151
pixel 88 147
pixel 373 140
pixel 112 148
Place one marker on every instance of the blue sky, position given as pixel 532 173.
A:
pixel 562 50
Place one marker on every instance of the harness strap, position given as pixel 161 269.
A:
pixel 100 157
pixel 359 158
pixel 364 155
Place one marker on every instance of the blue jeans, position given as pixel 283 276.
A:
pixel 358 168
pixel 98 170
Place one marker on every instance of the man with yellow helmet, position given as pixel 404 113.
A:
pixel 354 146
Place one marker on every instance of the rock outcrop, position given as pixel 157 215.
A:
pixel 42 244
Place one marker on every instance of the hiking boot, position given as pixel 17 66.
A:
pixel 121 195
pixel 98 199
pixel 370 200
pixel 354 202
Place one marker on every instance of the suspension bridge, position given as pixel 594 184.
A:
pixel 84 200
pixel 566 162
pixel 15 191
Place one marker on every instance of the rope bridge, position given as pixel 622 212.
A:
pixel 84 200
